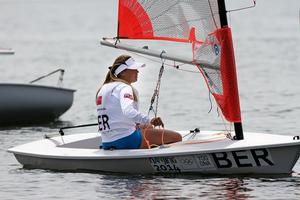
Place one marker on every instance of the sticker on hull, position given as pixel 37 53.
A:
pixel 213 161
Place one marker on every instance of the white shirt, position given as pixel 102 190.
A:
pixel 117 111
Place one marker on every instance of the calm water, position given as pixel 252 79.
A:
pixel 51 34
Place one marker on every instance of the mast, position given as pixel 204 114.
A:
pixel 238 128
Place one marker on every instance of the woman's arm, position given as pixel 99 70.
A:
pixel 127 106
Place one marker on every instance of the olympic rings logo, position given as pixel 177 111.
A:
pixel 187 161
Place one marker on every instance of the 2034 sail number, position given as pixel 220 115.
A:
pixel 166 168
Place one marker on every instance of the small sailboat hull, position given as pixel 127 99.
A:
pixel 29 103
pixel 207 153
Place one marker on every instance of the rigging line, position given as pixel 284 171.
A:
pixel 117 40
pixel 212 14
pixel 55 71
pixel 243 8
pixel 228 130
pixel 160 75
pixel 166 64
pixel 229 18
pixel 185 70
pixel 62 139
pixel 158 88
pixel 155 96
pixel 159 82
pixel 177 68
pixel 209 97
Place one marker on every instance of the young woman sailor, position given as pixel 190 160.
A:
pixel 121 124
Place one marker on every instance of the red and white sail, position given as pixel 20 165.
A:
pixel 192 21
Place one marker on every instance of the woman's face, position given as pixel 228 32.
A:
pixel 129 75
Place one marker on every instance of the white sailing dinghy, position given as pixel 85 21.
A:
pixel 203 23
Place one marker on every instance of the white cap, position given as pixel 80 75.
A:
pixel 129 64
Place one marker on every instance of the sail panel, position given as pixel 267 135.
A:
pixel 167 19
pixel 222 81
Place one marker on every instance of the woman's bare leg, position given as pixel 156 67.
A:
pixel 152 137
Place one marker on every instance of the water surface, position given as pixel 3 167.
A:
pixel 52 34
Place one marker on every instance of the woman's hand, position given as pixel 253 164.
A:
pixel 156 121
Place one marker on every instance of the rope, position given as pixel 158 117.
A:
pixel 149 146
pixel 146 140
pixel 60 79
pixel 155 99
pixel 155 95
pixel 227 129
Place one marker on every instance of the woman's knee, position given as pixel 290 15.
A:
pixel 177 137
